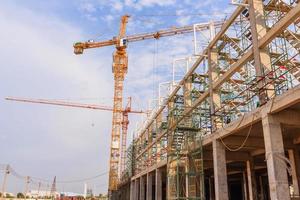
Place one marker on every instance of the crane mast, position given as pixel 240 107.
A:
pixel 120 65
pixel 125 123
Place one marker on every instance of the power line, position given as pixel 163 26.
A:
pixel 37 180
pixel 180 14
pixel 73 181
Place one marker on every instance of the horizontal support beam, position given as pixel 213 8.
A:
pixel 297 139
pixel 288 117
pixel 251 142
pixel 230 156
pixel 161 164
pixel 257 152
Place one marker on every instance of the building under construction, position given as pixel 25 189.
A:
pixel 230 129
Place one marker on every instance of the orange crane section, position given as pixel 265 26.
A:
pixel 120 66
pixel 75 105
pixel 79 47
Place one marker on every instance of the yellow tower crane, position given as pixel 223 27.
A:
pixel 119 66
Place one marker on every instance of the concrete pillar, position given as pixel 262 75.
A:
pixel 136 189
pixel 132 187
pixel 149 186
pixel 214 99
pixel 158 184
pixel 187 177
pixel 261 57
pixel 297 163
pixel 277 171
pixel 220 171
pixel 251 180
pixel 294 172
pixel 142 188
pixel 190 178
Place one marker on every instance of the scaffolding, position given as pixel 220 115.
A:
pixel 202 104
pixel 185 167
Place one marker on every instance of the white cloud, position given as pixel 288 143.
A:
pixel 87 7
pixel 90 17
pixel 118 6
pixel 148 3
pixel 114 5
pixel 108 18
pixel 184 20
pixel 156 2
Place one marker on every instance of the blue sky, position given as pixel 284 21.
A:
pixel 37 61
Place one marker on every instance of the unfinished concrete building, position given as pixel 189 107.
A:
pixel 231 127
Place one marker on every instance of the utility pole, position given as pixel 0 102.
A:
pixel 38 193
pixel 53 188
pixel 27 181
pixel 6 172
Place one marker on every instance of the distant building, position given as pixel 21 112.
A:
pixel 89 193
pixel 85 190
pixel 70 194
pixel 8 194
pixel 41 193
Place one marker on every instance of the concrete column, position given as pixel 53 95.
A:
pixel 187 178
pixel 136 189
pixel 294 172
pixel 220 171
pixel 191 179
pixel 261 57
pixel 149 186
pixel 277 171
pixel 132 187
pixel 214 99
pixel 158 184
pixel 158 151
pixel 251 180
pixel 142 188
pixel 297 163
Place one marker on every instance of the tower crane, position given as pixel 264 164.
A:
pixel 120 66
pixel 124 112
